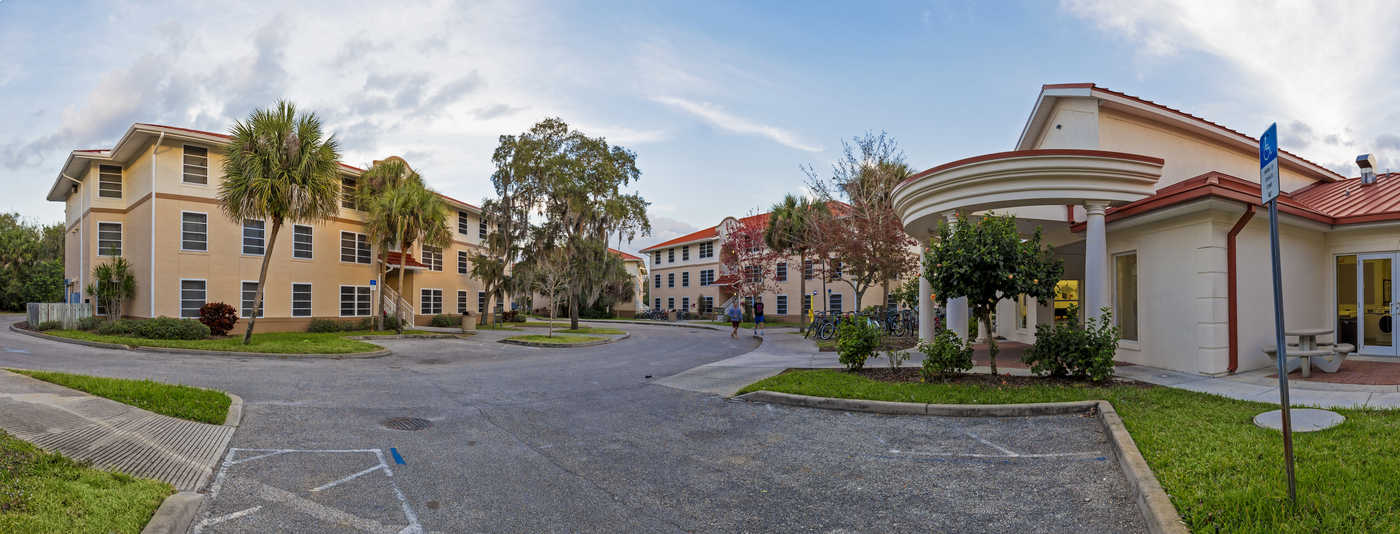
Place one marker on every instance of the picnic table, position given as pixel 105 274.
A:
pixel 1308 352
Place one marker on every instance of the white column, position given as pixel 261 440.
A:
pixel 957 308
pixel 926 306
pixel 1096 280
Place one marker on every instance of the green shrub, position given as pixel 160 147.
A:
pixel 1067 349
pixel 945 356
pixel 856 342
pixel 596 313
pixel 119 327
pixel 446 321
pixel 89 323
pixel 323 326
pixel 49 325
pixel 170 328
pixel 391 322
pixel 219 317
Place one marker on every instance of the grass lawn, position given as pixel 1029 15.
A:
pixel 270 342
pixel 383 333
pixel 498 327
pixel 562 340
pixel 543 325
pixel 1221 471
pixel 587 330
pixel 43 493
pixel 183 402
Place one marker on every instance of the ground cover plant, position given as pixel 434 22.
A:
pixel 563 340
pixel 43 493
pixel 1223 473
pixel 588 330
pixel 182 402
pixel 267 342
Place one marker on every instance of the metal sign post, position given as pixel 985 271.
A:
pixel 1268 192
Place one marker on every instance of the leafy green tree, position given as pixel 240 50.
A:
pixel 382 176
pixel 907 293
pixel 281 168
pixel 410 213
pixel 29 254
pixel 987 261
pixel 113 284
pixel 792 230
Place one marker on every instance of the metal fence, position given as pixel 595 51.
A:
pixel 69 314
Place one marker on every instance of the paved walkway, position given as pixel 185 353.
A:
pixel 111 434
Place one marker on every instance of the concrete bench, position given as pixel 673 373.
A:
pixel 1328 358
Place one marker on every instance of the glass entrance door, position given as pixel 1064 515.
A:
pixel 1376 304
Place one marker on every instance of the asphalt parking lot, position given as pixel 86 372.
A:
pixel 579 440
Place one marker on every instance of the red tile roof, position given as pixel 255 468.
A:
pixel 412 263
pixel 624 255
pixel 707 233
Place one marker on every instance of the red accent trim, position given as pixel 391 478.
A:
pixel 1233 301
pixel 225 136
pixel 1211 184
pixel 624 255
pixel 394 259
pixel 710 232
pixel 458 201
pixel 1069 213
pixel 1033 153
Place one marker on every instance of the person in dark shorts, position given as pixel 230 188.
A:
pixel 736 317
pixel 758 317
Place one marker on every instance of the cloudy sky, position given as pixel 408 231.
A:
pixel 721 101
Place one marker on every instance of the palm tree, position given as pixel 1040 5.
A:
pixel 380 177
pixel 790 230
pixel 406 214
pixel 279 167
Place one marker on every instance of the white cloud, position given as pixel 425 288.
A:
pixel 717 116
pixel 1319 62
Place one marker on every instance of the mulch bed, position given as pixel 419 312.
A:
pixel 912 374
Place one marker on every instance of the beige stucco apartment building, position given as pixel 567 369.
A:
pixel 153 196
pixel 1157 215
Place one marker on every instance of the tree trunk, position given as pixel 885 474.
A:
pixel 573 310
pixel 398 306
pixel 262 281
pixel 553 312
pixel 802 292
pixel 379 268
pixel 991 340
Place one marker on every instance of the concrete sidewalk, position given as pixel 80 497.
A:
pixel 111 434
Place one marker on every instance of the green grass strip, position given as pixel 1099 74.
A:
pixel 586 330
pixel 44 493
pixel 268 342
pixel 183 402
pixel 1221 471
pixel 561 340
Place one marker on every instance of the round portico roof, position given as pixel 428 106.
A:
pixel 1023 178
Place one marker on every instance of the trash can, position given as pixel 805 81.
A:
pixel 468 322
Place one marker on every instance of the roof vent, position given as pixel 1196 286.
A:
pixel 1367 162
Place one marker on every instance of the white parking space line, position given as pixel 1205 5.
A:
pixel 349 478
pixel 222 518
pixel 990 444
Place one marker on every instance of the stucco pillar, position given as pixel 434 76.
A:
pixel 1096 283
pixel 926 309
pixel 957 308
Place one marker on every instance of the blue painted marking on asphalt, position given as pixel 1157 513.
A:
pixel 397 459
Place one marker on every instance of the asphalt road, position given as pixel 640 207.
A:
pixel 579 440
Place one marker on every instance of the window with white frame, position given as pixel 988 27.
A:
pixel 657 283
pixel 196 165
pixel 464 225
pixel 461 301
pixel 685 279
pixel 671 255
pixel 839 267
pixel 431 303
pixel 192 298
pixel 835 303
pixel 707 249
pixel 670 303
pixel 432 258
pixel 301 242
pixel 707 304
pixel 753 274
pixel 670 279
pixel 354 248
pixel 109 181
pixel 250 294
pixel 658 257
pixel 890 302
pixel 657 303
pixel 480 302
pixel 806 304
pixel 807 270
pixel 685 303
pixel 301 300
pixel 347 194
pixel 481 228
pixel 194 231
pixel 253 237
pixel 780 274
pixel 1125 295
pixel 707 277
pixel 685 253
pixel 109 239
pixel 462 264
pixel 354 301
pixel 781 305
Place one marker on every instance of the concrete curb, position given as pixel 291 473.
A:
pixel 235 410
pixel 356 355
pixel 407 336
pixel 1152 500
pixel 565 345
pixel 658 323
pixel 175 514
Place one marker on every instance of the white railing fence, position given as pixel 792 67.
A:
pixel 69 314
pixel 398 307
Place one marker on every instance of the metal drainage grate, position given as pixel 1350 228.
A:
pixel 408 423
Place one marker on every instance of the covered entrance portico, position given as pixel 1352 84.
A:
pixel 1038 186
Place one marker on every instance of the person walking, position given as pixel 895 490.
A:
pixel 735 317
pixel 758 317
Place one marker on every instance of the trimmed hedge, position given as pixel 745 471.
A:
pixel 170 328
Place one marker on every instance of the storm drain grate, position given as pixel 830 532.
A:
pixel 408 423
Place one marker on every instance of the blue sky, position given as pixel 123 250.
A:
pixel 722 101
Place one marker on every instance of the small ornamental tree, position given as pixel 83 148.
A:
pixel 987 261
pixel 743 254
pixel 219 317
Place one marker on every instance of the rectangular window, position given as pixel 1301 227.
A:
pixel 708 303
pixel 782 305
pixel 658 299
pixel 670 303
pixel 685 253
pixel 1066 297
pixel 658 257
pixel 807 270
pixel 301 300
pixel 250 293
pixel 1346 300
pixel 253 237
pixel 1125 302
pixel 781 273
pixel 806 304
pixel 301 242
pixel 354 248
pixel 354 301
pixel 685 303
pixel 463 266
pixel 347 194
pixel 431 303
pixel 191 298
pixel 839 266
pixel 461 301
pixel 707 277
pixel 670 279
pixel 753 274
pixel 890 302
pixel 194 231
pixel 464 225
pixel 707 249
pixel 670 255
pixel 196 165
pixel 835 305
pixel 1021 312
pixel 432 258
pixel 480 302
pixel 109 181
pixel 657 284
pixel 685 279
pixel 109 239
pixel 481 228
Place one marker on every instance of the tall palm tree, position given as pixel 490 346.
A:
pixel 791 225
pixel 380 177
pixel 406 214
pixel 279 167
